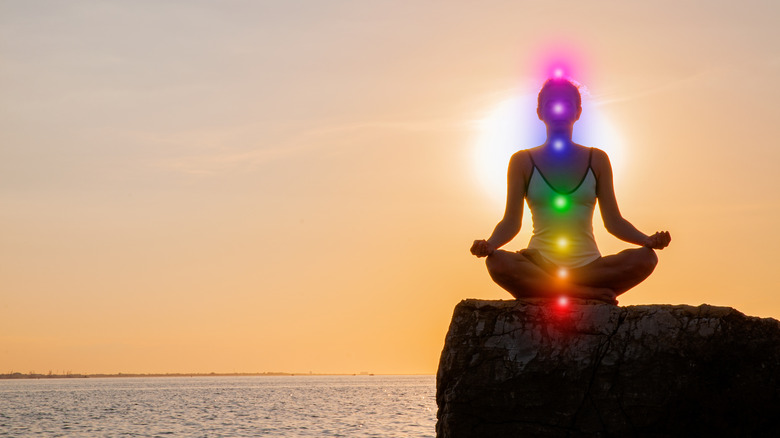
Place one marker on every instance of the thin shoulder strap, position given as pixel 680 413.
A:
pixel 533 167
pixel 590 167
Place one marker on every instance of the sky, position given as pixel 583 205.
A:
pixel 258 186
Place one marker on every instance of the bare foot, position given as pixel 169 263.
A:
pixel 594 293
pixel 606 295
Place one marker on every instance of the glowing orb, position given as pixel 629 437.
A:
pixel 563 243
pixel 563 301
pixel 558 108
pixel 558 145
pixel 560 202
pixel 559 58
pixel 563 273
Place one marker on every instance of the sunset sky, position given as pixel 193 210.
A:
pixel 250 186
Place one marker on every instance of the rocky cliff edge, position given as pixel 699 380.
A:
pixel 580 368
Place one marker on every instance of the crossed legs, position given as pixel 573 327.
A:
pixel 619 272
pixel 602 279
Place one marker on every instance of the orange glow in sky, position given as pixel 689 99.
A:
pixel 295 186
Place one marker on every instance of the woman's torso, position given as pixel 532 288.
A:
pixel 563 217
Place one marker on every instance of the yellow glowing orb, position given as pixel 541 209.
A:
pixel 562 242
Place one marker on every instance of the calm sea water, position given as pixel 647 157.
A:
pixel 288 406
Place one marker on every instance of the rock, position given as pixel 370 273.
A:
pixel 543 368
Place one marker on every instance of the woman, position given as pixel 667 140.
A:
pixel 561 181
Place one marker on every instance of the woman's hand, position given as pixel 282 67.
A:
pixel 659 240
pixel 482 248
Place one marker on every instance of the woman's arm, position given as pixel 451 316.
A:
pixel 614 222
pixel 510 224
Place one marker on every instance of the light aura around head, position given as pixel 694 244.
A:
pixel 512 123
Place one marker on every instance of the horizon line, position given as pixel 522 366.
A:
pixel 33 375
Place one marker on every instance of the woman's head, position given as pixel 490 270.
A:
pixel 559 101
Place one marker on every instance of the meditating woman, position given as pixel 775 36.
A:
pixel 561 181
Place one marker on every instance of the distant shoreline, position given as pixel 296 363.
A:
pixel 13 376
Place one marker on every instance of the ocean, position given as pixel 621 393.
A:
pixel 261 406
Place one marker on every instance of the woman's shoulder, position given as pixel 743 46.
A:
pixel 599 162
pixel 521 161
pixel 595 153
pixel 523 156
pixel 598 157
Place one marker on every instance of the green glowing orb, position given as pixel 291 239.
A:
pixel 561 202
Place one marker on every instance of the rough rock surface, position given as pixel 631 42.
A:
pixel 541 368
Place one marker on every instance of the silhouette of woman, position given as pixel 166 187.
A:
pixel 561 181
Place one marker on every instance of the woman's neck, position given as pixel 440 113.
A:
pixel 560 131
pixel 559 138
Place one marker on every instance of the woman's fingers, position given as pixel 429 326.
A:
pixel 656 241
pixel 662 239
pixel 480 248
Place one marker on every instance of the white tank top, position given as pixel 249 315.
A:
pixel 563 221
